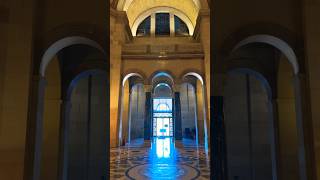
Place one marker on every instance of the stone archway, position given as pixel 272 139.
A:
pixel 298 81
pixel 202 114
pixel 85 86
pixel 124 116
pixel 39 87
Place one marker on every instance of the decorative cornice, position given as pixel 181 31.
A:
pixel 174 56
pixel 156 50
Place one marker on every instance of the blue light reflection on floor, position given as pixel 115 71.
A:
pixel 162 163
pixel 162 158
pixel 163 147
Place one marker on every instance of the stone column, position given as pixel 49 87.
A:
pixel 177 117
pixel 129 115
pixel 204 23
pixel 148 117
pixel 64 140
pixel 123 124
pixel 118 37
pixel 206 115
pixel 120 124
pixel 35 130
pixel 304 129
pixel 199 109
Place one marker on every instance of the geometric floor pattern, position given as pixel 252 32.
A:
pixel 161 159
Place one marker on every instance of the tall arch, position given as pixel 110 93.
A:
pixel 37 111
pixel 158 74
pixel 201 106
pixel 122 100
pixel 63 43
pixel 276 42
pixel 298 88
pixel 126 77
pixel 197 75
pixel 162 84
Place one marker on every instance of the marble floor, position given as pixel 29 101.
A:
pixel 160 159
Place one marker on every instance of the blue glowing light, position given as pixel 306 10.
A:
pixel 162 117
pixel 163 159
pixel 163 147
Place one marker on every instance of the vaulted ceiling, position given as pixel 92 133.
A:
pixel 136 8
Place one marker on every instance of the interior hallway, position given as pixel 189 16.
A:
pixel 161 158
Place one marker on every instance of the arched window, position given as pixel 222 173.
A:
pixel 144 27
pixel 180 28
pixel 160 26
pixel 163 107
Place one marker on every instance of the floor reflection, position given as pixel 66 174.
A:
pixel 163 158
pixel 162 146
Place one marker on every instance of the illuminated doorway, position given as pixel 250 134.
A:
pixel 162 117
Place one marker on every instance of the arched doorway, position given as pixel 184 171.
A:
pixel 268 62
pixel 60 64
pixel 132 111
pixel 201 107
pixel 162 111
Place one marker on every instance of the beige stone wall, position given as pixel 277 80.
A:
pixel 206 44
pixel 117 38
pixel 17 39
pixel 70 12
pixel 200 113
pixel 15 57
pixel 229 16
pixel 312 45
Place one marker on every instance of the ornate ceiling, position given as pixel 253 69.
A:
pixel 137 8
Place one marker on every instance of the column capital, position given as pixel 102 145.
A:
pixel 147 88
